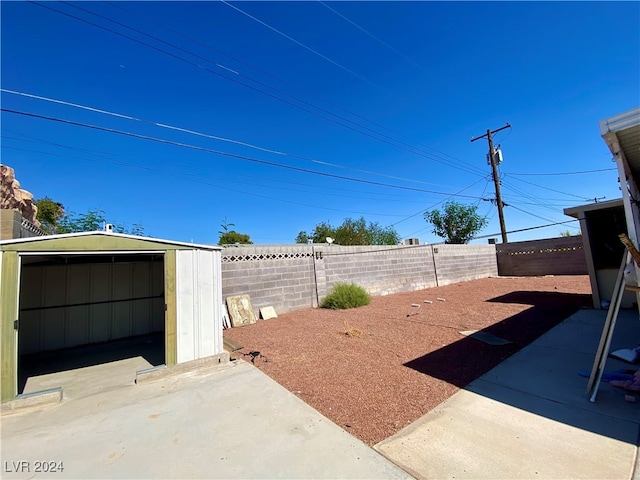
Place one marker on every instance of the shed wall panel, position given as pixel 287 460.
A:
pixel 199 296
pixel 100 292
pixel 78 291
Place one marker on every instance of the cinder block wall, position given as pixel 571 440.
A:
pixel 458 263
pixel 381 270
pixel 280 276
pixel 551 256
pixel 12 225
pixel 293 277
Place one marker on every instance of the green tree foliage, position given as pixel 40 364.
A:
pixel 303 237
pixel 352 232
pixel 457 223
pixel 49 214
pixel 87 222
pixel 54 220
pixel 231 237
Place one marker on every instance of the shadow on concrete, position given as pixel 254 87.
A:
pixel 543 378
pixel 150 347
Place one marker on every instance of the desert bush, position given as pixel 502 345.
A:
pixel 346 295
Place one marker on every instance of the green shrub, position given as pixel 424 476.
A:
pixel 346 295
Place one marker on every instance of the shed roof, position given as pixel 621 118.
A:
pixel 97 241
pixel 577 212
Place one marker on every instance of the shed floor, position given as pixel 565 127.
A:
pixel 40 371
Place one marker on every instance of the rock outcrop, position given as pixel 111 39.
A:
pixel 12 197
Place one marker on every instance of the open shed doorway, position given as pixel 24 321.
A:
pixel 81 310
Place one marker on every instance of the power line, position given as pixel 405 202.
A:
pixel 226 154
pixel 362 29
pixel 436 204
pixel 532 214
pixel 182 165
pixel 541 202
pixel 402 145
pixel 547 188
pixel 561 173
pixel 192 178
pixel 205 135
pixel 527 229
pixel 304 90
pixel 315 52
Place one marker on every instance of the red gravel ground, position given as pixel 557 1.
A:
pixel 409 359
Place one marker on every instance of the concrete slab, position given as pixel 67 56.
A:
pixel 41 398
pixel 232 422
pixel 529 416
pixel 472 436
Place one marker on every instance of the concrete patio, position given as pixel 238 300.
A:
pixel 227 422
pixel 530 418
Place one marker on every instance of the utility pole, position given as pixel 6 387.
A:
pixel 496 179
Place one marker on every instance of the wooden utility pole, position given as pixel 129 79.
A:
pixel 496 179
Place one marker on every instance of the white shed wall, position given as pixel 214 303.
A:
pixel 199 301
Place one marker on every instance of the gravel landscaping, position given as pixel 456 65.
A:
pixel 375 369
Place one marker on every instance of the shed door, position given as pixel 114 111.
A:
pixel 198 287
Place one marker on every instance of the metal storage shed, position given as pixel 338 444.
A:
pixel 601 223
pixel 62 291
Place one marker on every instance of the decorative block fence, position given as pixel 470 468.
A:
pixel 551 256
pixel 293 277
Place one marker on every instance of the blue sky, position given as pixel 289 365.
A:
pixel 383 92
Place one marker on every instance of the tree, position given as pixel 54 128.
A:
pixel 303 237
pixel 225 226
pixel 231 237
pixel 49 214
pixel 383 235
pixel 457 223
pixel 88 222
pixel 319 234
pixel 55 220
pixel 352 232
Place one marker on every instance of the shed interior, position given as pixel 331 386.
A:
pixel 78 310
